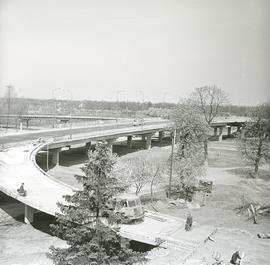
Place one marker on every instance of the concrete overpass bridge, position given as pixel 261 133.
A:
pixel 81 131
pixel 219 124
pixel 18 165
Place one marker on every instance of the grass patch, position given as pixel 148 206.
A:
pixel 248 173
pixel 224 158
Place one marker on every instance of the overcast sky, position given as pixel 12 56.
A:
pixel 136 50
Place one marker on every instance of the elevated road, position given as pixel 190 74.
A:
pixel 221 123
pixel 17 165
pixel 230 121
pixel 80 131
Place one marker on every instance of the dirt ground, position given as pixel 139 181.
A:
pixel 235 231
pixel 21 244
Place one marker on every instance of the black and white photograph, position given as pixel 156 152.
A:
pixel 134 132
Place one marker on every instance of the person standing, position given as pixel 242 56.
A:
pixel 189 222
pixel 235 259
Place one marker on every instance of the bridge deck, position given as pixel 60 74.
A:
pixel 167 232
pixel 94 130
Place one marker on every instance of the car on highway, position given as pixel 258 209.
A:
pixel 137 122
pixel 38 141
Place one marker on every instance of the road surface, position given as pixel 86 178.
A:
pixel 54 133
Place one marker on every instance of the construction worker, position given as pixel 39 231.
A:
pixel 189 222
pixel 21 190
pixel 235 259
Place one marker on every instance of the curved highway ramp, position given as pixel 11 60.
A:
pixel 17 166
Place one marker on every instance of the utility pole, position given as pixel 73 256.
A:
pixel 47 160
pixel 9 91
pixel 173 134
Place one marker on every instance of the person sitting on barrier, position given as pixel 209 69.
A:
pixel 189 222
pixel 21 190
pixel 235 259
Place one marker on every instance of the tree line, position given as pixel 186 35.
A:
pixel 12 104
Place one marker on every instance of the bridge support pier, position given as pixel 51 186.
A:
pixel 28 214
pixel 160 136
pixel 27 123
pixel 148 141
pixel 110 144
pixel 55 156
pixel 129 141
pixel 220 134
pixel 88 147
pixel 229 131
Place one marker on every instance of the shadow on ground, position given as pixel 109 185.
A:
pixel 11 209
pixel 12 213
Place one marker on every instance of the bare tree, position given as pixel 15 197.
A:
pixel 191 128
pixel 209 99
pixel 255 140
pixel 139 175
pixel 144 169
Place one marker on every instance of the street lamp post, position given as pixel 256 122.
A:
pixel 9 92
pixel 47 160
pixel 117 98
pixel 55 104
pixel 70 111
pixel 142 94
pixel 171 164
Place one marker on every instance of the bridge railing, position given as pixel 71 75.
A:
pixel 60 183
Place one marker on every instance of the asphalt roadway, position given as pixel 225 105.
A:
pixel 54 133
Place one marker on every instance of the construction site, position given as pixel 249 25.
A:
pixel 134 132
pixel 221 223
